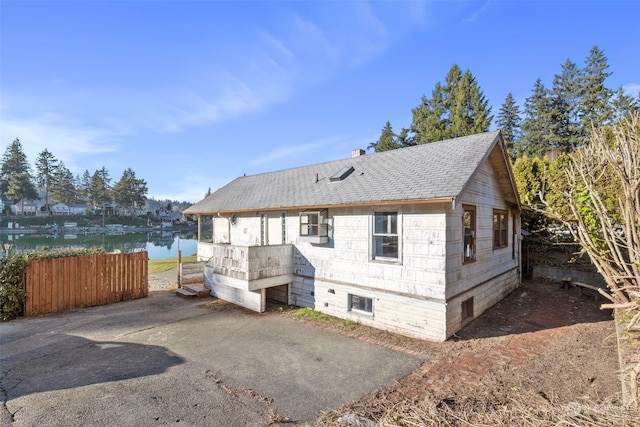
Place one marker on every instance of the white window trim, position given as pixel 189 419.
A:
pixel 356 310
pixel 372 226
pixel 314 238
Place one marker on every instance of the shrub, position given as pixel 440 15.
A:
pixel 12 293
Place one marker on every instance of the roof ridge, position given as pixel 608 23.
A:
pixel 370 155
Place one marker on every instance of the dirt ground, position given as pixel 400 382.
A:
pixel 544 354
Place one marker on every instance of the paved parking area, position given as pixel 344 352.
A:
pixel 165 360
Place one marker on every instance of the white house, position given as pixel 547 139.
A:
pixel 29 207
pixel 70 209
pixel 418 240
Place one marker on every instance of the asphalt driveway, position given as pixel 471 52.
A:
pixel 165 360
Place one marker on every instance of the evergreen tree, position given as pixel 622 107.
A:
pixel 387 141
pixel 535 125
pixel 565 131
pixel 46 164
pixel 14 161
pixel 20 187
pixel 623 105
pixel 429 121
pixel 208 193
pixel 457 108
pixel 469 110
pixel 100 190
pixel 405 139
pixel 508 121
pixel 595 108
pixel 130 192
pixel 63 188
pixel 84 187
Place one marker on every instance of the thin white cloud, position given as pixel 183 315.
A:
pixel 475 15
pixel 632 89
pixel 66 140
pixel 189 186
pixel 286 151
pixel 278 44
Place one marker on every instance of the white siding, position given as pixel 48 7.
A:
pixel 494 273
pixel 420 295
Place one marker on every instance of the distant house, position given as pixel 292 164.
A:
pixel 69 209
pixel 418 240
pixel 30 207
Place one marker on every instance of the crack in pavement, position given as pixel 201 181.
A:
pixel 266 403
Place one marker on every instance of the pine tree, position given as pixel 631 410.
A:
pixel 508 121
pixel 429 123
pixel 457 108
pixel 595 108
pixel 130 192
pixel 623 105
pixel 100 190
pixel 46 164
pixel 84 187
pixel 535 125
pixel 565 131
pixel 63 187
pixel 14 161
pixel 20 187
pixel 387 141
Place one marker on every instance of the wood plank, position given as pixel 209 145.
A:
pixel 29 285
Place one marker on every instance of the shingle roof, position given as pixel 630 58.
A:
pixel 439 170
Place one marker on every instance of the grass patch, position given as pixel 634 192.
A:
pixel 160 265
pixel 312 315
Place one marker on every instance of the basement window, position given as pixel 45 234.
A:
pixel 314 227
pixel 360 303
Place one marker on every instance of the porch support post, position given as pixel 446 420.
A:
pixel 263 300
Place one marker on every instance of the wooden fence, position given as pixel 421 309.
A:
pixel 60 284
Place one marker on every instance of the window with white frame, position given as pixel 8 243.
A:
pixel 360 303
pixel 314 227
pixel 385 236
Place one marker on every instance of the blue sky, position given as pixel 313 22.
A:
pixel 192 94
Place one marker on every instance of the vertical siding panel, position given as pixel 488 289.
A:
pixel 71 273
pixel 48 288
pixel 59 284
pixel 130 275
pixel 144 280
pixel 115 272
pixel 85 265
pixel 119 281
pixel 61 273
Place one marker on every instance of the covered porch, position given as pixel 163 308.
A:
pixel 248 275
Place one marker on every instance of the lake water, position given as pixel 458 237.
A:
pixel 158 245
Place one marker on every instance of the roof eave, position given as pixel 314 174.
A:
pixel 323 206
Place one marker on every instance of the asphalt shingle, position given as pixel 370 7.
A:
pixel 437 170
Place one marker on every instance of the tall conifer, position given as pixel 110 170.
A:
pixel 508 121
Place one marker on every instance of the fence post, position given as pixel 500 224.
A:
pixel 179 262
